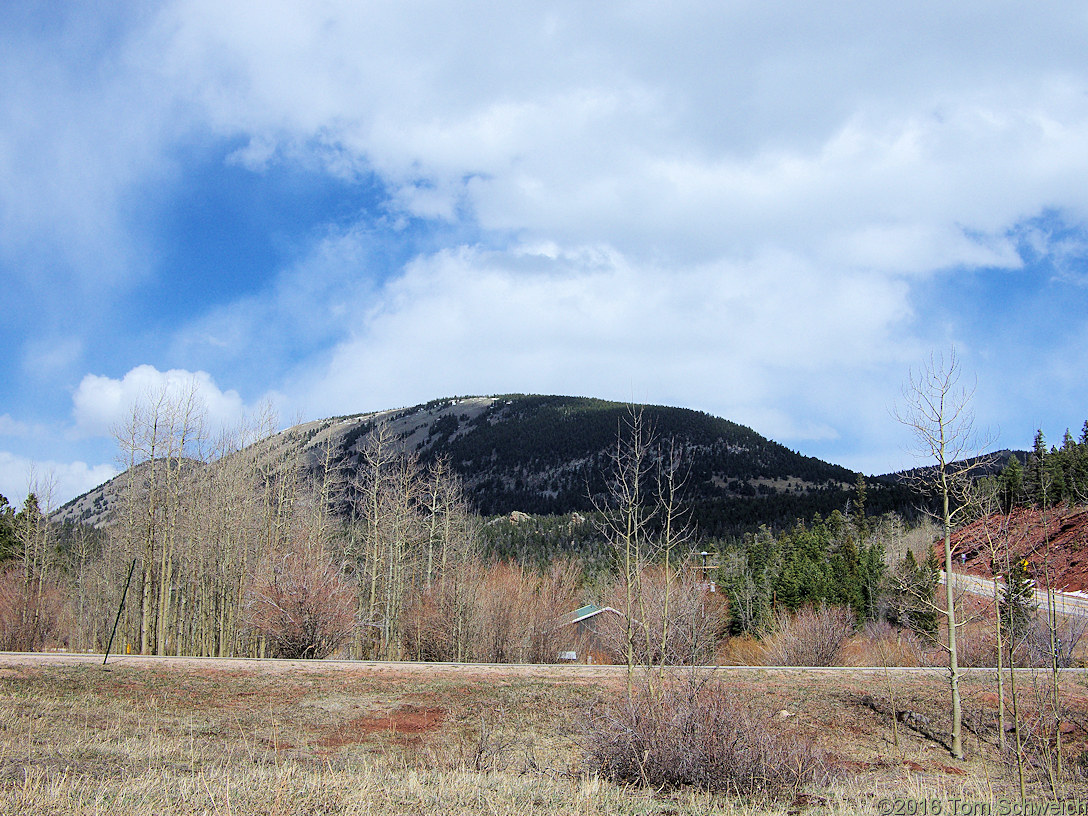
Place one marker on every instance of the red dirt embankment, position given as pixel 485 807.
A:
pixel 1055 539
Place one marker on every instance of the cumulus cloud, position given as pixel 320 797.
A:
pixel 540 318
pixel 858 135
pixel 101 404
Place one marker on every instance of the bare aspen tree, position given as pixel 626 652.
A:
pixel 996 544
pixel 367 547
pixel 458 534
pixel 674 534
pixel 231 521
pixel 936 408
pixel 439 589
pixel 643 524
pixel 125 532
pixel 151 448
pixel 193 516
pixel 395 543
pixel 185 432
pixel 406 533
pixel 626 522
pixel 1053 764
pixel 138 441
pixel 160 443
pixel 82 550
pixel 35 551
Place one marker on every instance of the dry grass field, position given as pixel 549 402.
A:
pixel 163 736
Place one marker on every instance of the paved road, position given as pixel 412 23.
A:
pixel 391 670
pixel 1066 603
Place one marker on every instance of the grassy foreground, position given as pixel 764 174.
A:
pixel 185 737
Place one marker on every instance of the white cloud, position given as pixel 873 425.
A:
pixel 710 131
pixel 101 404
pixel 868 135
pixel 55 482
pixel 715 131
pixel 730 206
pixel 726 337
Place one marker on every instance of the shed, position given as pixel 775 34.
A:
pixel 583 638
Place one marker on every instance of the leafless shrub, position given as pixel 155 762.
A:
pixel 490 749
pixel 29 612
pixel 977 645
pixel 1067 635
pixel 436 618
pixel 742 650
pixel 812 636
pixel 695 733
pixel 515 610
pixel 881 644
pixel 497 613
pixel 1034 750
pixel 301 604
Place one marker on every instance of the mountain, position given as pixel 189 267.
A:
pixel 987 464
pixel 550 454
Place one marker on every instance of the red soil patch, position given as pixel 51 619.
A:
pixel 1058 536
pixel 406 721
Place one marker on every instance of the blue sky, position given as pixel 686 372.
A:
pixel 770 212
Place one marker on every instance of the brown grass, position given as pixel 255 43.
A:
pixel 744 650
pixel 171 737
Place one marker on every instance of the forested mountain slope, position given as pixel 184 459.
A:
pixel 551 455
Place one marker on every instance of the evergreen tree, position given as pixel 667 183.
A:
pixel 805 577
pixel 846 575
pixel 1078 486
pixel 871 575
pixel 1011 484
pixel 1068 443
pixel 1036 464
pixel 1071 465
pixel 748 596
pixel 861 521
pixel 914 588
pixel 1055 487
pixel 1035 477
pixel 929 576
pixel 8 544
